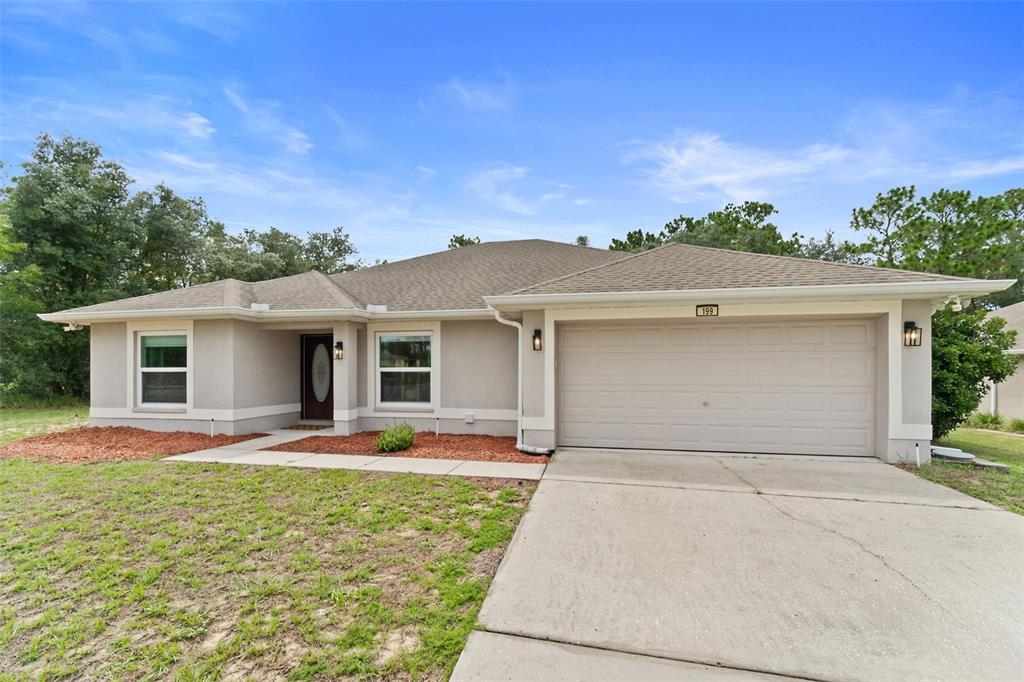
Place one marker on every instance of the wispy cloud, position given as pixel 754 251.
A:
pixel 426 174
pixel 488 186
pixel 348 135
pixel 211 18
pixel 478 95
pixel 516 189
pixel 905 143
pixel 690 166
pixel 261 118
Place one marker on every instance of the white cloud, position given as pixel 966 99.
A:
pixel 487 185
pixel 426 174
pixel 480 96
pixel 348 136
pixel 691 166
pixel 261 118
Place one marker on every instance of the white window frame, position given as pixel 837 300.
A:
pixel 431 371
pixel 135 330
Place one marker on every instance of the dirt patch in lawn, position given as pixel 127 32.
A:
pixel 426 445
pixel 113 444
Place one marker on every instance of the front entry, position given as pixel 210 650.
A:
pixel 317 378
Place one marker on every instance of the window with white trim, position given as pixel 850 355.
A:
pixel 163 369
pixel 403 369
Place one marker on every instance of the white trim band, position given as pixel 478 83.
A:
pixel 220 415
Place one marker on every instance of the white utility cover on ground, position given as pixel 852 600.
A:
pixel 789 386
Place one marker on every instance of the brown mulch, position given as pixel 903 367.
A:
pixel 426 444
pixel 113 444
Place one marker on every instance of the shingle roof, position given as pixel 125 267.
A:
pixel 306 291
pixel 679 267
pixel 459 279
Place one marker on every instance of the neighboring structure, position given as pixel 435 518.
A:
pixel 1007 398
pixel 677 348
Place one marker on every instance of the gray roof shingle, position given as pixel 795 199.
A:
pixel 459 279
pixel 679 267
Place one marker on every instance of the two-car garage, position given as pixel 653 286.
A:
pixel 767 386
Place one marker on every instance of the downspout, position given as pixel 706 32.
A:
pixel 522 447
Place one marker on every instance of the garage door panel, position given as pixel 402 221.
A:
pixel 791 386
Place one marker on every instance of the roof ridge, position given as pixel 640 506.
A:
pixel 337 292
pixel 860 266
pixel 629 256
pixel 232 293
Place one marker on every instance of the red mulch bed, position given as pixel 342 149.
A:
pixel 113 444
pixel 427 445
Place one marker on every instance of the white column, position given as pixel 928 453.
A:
pixel 346 380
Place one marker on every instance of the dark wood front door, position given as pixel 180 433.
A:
pixel 317 377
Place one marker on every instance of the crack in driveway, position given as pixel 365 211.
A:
pixel 790 515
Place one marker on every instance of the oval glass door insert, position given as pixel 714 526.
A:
pixel 321 371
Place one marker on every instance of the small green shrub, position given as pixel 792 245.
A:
pixel 1016 425
pixel 395 438
pixel 985 420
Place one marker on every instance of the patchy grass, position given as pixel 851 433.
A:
pixel 1004 490
pixel 150 570
pixel 20 422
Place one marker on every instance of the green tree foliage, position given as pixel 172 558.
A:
pixel 582 240
pixel 460 240
pixel 831 249
pixel 949 232
pixel 967 349
pixel 744 227
pixel 73 234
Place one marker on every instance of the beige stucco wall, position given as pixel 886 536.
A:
pixel 213 370
pixel 533 366
pixel 917 366
pixel 478 365
pixel 266 366
pixel 108 367
pixel 1009 396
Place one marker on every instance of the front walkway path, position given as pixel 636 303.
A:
pixel 251 452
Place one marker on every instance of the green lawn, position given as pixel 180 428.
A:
pixel 19 422
pixel 1005 490
pixel 156 570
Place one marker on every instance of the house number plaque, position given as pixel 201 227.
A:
pixel 707 311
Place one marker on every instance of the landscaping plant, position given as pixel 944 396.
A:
pixel 395 438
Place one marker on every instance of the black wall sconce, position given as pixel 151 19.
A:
pixel 912 334
pixel 537 343
pixel 339 350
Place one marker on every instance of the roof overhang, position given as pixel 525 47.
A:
pixel 234 313
pixel 827 292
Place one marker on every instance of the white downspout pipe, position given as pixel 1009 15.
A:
pixel 522 447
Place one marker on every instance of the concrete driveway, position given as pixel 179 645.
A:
pixel 633 565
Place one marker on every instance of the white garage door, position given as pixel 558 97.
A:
pixel 801 387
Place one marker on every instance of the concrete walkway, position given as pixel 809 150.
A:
pixel 251 452
pixel 633 565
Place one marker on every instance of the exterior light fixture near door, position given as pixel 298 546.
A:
pixel 537 343
pixel 912 334
pixel 339 351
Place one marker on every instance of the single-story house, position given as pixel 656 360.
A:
pixel 677 348
pixel 1007 398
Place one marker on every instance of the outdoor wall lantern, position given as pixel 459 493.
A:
pixel 912 334
pixel 339 350
pixel 537 343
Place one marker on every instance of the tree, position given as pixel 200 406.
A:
pixel 460 240
pixel 583 240
pixel 831 249
pixel 67 211
pixel 172 230
pixel 744 227
pixel 885 223
pixel 329 252
pixel 967 349
pixel 637 241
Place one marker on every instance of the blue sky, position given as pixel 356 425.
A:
pixel 408 123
